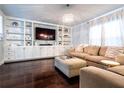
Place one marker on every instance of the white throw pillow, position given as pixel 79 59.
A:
pixel 112 52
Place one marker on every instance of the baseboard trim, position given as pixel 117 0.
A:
pixel 26 60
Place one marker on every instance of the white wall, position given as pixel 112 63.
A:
pixel 80 34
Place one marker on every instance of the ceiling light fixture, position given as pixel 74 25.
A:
pixel 68 18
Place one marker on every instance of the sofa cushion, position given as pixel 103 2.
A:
pixel 92 50
pixel 102 50
pixel 96 59
pixel 74 63
pixel 80 55
pixel 117 69
pixel 112 52
pixel 74 53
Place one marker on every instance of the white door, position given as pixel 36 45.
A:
pixel 36 52
pixel 66 48
pixel 61 50
pixel 19 53
pixel 43 51
pixel 50 51
pixel 56 51
pixel 1 41
pixel 28 52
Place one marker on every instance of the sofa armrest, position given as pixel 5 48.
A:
pixel 93 77
pixel 120 59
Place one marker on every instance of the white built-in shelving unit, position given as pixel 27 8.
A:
pixel 20 43
pixel 20 32
pixel 14 32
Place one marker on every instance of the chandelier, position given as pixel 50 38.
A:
pixel 68 18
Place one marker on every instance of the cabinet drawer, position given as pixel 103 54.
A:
pixel 9 58
pixel 9 54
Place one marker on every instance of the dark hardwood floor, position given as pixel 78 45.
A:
pixel 35 74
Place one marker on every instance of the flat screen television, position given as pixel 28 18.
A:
pixel 45 34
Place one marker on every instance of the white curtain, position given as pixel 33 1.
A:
pixel 95 33
pixel 108 30
pixel 80 34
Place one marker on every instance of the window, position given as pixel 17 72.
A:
pixel 112 33
pixel 109 33
pixel 95 35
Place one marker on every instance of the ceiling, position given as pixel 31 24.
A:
pixel 53 13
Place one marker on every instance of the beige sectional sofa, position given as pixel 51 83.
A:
pixel 92 54
pixel 94 76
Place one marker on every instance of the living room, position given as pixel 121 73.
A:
pixel 60 46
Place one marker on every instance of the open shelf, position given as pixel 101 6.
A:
pixel 64 35
pixel 15 39
pixel 14 26
pixel 15 33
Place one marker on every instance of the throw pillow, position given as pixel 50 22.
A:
pixel 112 52
pixel 93 50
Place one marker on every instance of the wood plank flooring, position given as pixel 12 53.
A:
pixel 35 74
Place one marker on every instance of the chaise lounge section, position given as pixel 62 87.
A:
pixel 93 77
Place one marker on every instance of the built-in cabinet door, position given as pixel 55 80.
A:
pixel 1 53
pixel 1 41
pixel 28 52
pixel 9 54
pixel 19 53
pixel 36 52
pixel 56 51
pixel 65 49
pixel 50 51
pixel 43 52
pixel 61 50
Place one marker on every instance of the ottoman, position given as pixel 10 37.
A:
pixel 69 66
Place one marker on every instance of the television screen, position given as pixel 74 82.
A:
pixel 44 34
